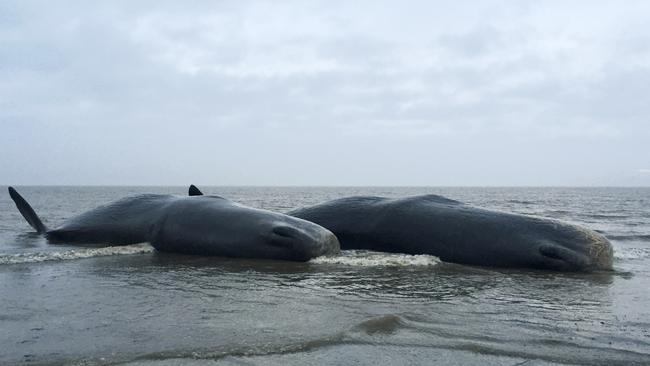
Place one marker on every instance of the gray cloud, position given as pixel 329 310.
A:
pixel 500 93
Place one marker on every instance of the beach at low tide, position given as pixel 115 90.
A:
pixel 61 304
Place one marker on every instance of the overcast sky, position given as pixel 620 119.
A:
pixel 325 93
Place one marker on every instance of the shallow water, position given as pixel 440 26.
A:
pixel 132 306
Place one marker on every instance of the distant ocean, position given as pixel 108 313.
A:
pixel 130 305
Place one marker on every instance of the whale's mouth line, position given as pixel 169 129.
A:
pixel 280 241
pixel 300 243
pixel 292 241
pixel 564 258
pixel 553 254
pixel 284 236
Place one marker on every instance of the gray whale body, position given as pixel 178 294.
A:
pixel 459 233
pixel 203 225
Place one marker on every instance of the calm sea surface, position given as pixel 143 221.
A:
pixel 132 306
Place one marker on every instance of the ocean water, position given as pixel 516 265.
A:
pixel 130 305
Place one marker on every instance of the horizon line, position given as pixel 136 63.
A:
pixel 324 186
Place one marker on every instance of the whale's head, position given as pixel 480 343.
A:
pixel 573 248
pixel 595 255
pixel 261 233
pixel 298 240
pixel 271 235
pixel 212 225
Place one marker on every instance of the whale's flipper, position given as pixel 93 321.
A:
pixel 194 191
pixel 27 211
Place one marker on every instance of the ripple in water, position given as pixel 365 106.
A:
pixel 632 253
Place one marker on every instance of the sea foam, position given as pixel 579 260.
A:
pixel 365 258
pixel 34 257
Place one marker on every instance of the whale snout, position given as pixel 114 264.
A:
pixel 303 244
pixel 600 252
pixel 594 255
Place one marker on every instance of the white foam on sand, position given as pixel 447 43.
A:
pixel 71 254
pixel 365 258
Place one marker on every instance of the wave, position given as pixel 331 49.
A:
pixel 521 202
pixel 386 324
pixel 35 257
pixel 361 333
pixel 375 338
pixel 629 237
pixel 632 253
pixel 365 258
pixel 607 217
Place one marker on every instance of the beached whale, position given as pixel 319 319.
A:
pixel 460 233
pixel 203 225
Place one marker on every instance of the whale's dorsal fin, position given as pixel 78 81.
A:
pixel 193 191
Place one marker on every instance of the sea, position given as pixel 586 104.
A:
pixel 130 305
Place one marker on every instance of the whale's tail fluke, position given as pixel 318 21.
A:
pixel 27 211
pixel 193 191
